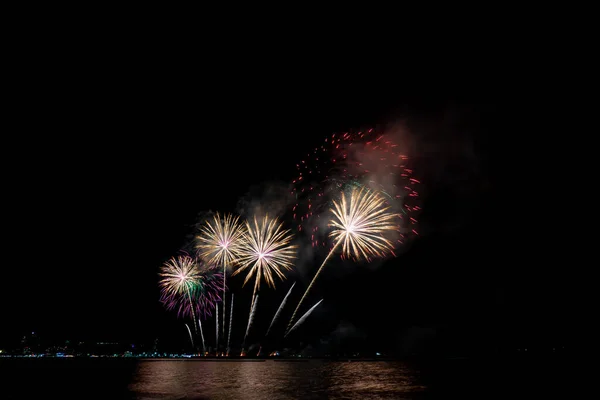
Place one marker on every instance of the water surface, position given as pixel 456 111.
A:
pixel 119 378
pixel 276 380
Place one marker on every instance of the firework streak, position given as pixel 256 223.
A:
pixel 280 308
pixel 202 336
pixel 250 319
pixel 191 338
pixel 303 318
pixel 217 328
pixel 230 325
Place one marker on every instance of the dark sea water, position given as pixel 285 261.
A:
pixel 117 378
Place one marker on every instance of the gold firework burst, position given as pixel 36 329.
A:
pixel 265 251
pixel 219 240
pixel 360 222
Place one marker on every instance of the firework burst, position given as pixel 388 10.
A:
pixel 219 240
pixel 353 159
pixel 179 279
pixel 361 221
pixel 218 244
pixel 189 286
pixel 265 253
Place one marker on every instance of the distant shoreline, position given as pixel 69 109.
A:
pixel 299 359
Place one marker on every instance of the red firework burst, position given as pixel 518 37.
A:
pixel 365 158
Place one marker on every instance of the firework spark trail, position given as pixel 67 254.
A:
pixel 202 336
pixel 250 319
pixel 230 325
pixel 191 338
pixel 218 244
pixel 217 328
pixel 265 251
pixel 252 311
pixel 359 225
pixel 193 312
pixel 303 318
pixel 279 309
pixel 310 286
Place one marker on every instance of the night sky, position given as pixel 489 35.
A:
pixel 109 173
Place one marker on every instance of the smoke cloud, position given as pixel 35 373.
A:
pixel 270 198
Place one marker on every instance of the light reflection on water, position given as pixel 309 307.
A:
pixel 130 378
pixel 274 380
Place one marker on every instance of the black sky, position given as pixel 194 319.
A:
pixel 109 166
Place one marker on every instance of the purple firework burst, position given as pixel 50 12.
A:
pixel 188 284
